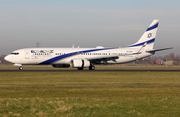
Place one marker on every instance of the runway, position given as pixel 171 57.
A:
pixel 109 70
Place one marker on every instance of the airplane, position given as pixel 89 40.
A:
pixel 81 58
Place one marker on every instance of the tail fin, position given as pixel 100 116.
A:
pixel 148 37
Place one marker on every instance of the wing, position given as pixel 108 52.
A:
pixel 102 60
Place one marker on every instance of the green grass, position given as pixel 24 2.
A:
pixel 143 107
pixel 90 93
pixel 143 101
pixel 88 78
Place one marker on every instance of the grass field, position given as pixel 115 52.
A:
pixel 128 99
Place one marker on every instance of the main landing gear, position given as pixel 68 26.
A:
pixel 91 67
pixel 80 68
pixel 20 68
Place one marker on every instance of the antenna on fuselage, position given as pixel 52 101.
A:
pixel 37 44
pixel 73 45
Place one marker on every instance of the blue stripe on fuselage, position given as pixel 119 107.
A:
pixel 71 54
pixel 140 44
pixel 49 61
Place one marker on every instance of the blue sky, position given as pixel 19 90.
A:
pixel 86 23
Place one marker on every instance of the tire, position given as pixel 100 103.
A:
pixel 92 67
pixel 20 68
pixel 80 68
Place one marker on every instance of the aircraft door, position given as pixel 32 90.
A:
pixel 27 54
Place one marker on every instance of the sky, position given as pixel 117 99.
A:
pixel 87 23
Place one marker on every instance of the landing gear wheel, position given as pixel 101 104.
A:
pixel 92 67
pixel 20 68
pixel 80 68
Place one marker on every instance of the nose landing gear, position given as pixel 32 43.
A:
pixel 20 68
pixel 18 65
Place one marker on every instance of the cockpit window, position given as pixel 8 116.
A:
pixel 15 53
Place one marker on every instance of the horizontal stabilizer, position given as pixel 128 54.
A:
pixel 155 50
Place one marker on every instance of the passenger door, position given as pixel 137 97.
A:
pixel 27 54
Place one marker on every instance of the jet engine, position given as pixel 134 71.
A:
pixel 80 63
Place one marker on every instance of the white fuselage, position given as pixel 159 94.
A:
pixel 34 56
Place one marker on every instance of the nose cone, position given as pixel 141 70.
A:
pixel 8 58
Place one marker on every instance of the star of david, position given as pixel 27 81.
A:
pixel 149 35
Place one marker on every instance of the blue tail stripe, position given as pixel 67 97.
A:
pixel 140 44
pixel 152 27
pixel 71 54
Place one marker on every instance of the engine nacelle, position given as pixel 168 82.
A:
pixel 79 63
pixel 86 63
pixel 61 65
